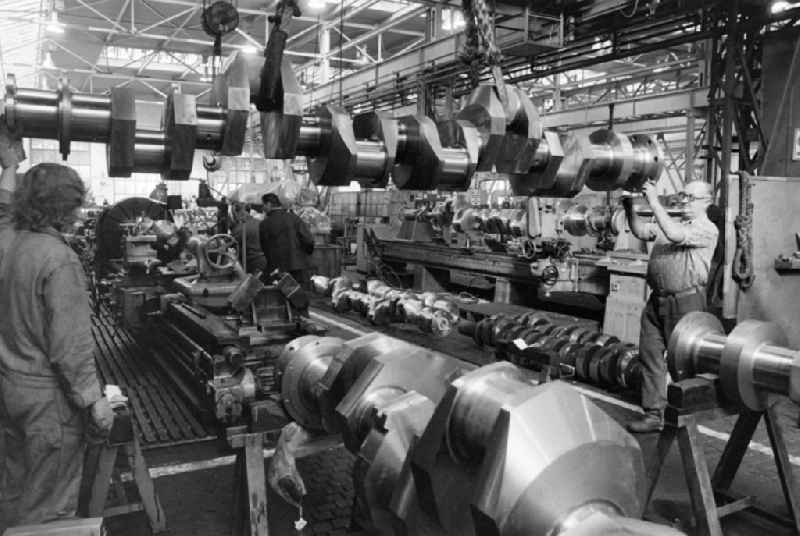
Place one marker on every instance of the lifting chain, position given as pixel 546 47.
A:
pixel 743 223
pixel 480 47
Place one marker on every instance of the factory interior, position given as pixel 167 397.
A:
pixel 401 267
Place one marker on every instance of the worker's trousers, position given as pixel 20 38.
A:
pixel 42 447
pixel 659 318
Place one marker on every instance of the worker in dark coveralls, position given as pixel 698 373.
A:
pixel 678 275
pixel 286 241
pixel 50 398
pixel 245 230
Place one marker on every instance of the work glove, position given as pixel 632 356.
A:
pixel 283 476
pixel 11 150
pixel 101 418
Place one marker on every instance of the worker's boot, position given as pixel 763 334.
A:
pixel 651 421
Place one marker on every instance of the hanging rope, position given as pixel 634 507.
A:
pixel 480 48
pixel 743 223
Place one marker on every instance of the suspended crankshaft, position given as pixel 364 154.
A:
pixel 444 447
pixel 413 150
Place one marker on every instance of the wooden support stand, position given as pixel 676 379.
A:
pixel 250 506
pixel 711 499
pixel 249 485
pixel 106 464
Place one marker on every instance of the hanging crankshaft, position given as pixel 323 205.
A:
pixel 416 152
pixel 444 447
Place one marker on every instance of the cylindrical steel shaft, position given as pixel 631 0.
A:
pixel 751 361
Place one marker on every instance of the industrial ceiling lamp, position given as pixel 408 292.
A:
pixel 316 6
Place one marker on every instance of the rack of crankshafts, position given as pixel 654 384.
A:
pixel 561 350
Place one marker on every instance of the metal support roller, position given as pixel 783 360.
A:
pixel 752 361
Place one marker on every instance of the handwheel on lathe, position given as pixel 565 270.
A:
pixel 218 251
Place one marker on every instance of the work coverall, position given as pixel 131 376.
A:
pixel 247 234
pixel 287 243
pixel 47 376
pixel 677 275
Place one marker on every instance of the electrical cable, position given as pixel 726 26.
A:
pixel 633 11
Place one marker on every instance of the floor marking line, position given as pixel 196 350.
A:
pixel 309 449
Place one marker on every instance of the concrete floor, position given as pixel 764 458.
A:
pixel 199 502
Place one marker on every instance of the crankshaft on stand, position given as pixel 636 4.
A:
pixel 752 362
pixel 444 447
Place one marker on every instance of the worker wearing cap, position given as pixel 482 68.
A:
pixel 286 241
pixel 50 397
pixel 678 275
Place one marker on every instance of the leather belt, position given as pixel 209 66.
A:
pixel 29 380
pixel 679 294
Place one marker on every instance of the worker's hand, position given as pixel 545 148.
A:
pixel 650 191
pixel 101 418
pixel 11 150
